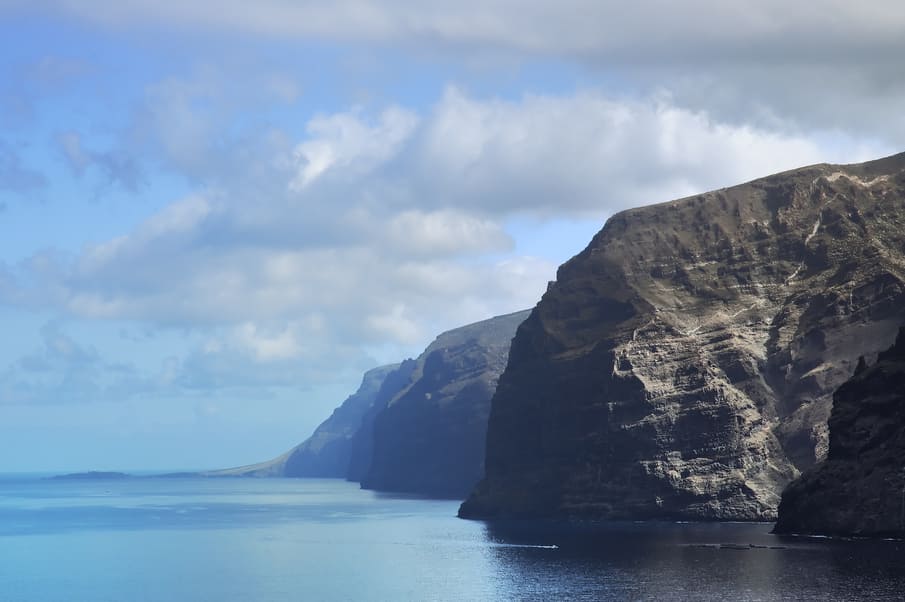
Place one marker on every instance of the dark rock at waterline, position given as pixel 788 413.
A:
pixel 683 364
pixel 860 488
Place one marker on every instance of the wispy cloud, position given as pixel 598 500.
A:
pixel 15 176
pixel 115 167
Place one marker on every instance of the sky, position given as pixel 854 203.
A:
pixel 214 216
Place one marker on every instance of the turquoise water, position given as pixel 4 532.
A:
pixel 233 539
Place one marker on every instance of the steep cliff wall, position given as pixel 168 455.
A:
pixel 362 443
pixel 430 438
pixel 683 364
pixel 417 427
pixel 860 488
pixel 328 451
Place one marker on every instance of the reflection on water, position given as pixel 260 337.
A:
pixel 692 561
pixel 230 540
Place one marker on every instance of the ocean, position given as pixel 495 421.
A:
pixel 282 539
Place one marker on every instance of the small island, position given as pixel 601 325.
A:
pixel 92 475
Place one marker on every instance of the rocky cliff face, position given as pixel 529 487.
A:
pixel 683 364
pixel 328 451
pixel 362 444
pixel 430 438
pixel 860 488
pixel 417 427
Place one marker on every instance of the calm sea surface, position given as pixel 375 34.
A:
pixel 229 540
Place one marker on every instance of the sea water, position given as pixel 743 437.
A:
pixel 282 539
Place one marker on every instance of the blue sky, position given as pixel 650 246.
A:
pixel 214 217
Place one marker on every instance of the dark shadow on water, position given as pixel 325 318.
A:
pixel 404 495
pixel 692 561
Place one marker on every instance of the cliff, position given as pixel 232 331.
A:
pixel 683 364
pixel 362 444
pixel 417 427
pixel 430 437
pixel 329 450
pixel 860 488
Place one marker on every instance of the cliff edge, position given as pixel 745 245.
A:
pixel 683 364
pixel 430 438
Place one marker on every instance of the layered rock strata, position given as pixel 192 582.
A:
pixel 683 364
pixel 860 488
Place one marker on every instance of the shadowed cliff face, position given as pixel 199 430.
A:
pixel 361 446
pixel 860 488
pixel 430 438
pixel 683 364
pixel 328 452
pixel 416 427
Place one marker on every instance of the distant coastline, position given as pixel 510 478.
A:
pixel 92 475
pixel 109 475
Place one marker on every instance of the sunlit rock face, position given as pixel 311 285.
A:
pixel 429 439
pixel 683 364
pixel 860 488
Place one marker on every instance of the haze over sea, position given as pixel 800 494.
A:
pixel 269 539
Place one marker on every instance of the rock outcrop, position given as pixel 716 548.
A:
pixel 682 365
pixel 860 488
pixel 430 438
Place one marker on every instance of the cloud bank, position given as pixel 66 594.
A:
pixel 379 228
pixel 826 63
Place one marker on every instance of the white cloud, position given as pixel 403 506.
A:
pixel 376 232
pixel 443 232
pixel 573 26
pixel 820 64
pixel 344 142
pixel 395 325
pixel 184 121
pixel 268 345
pixel 587 152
